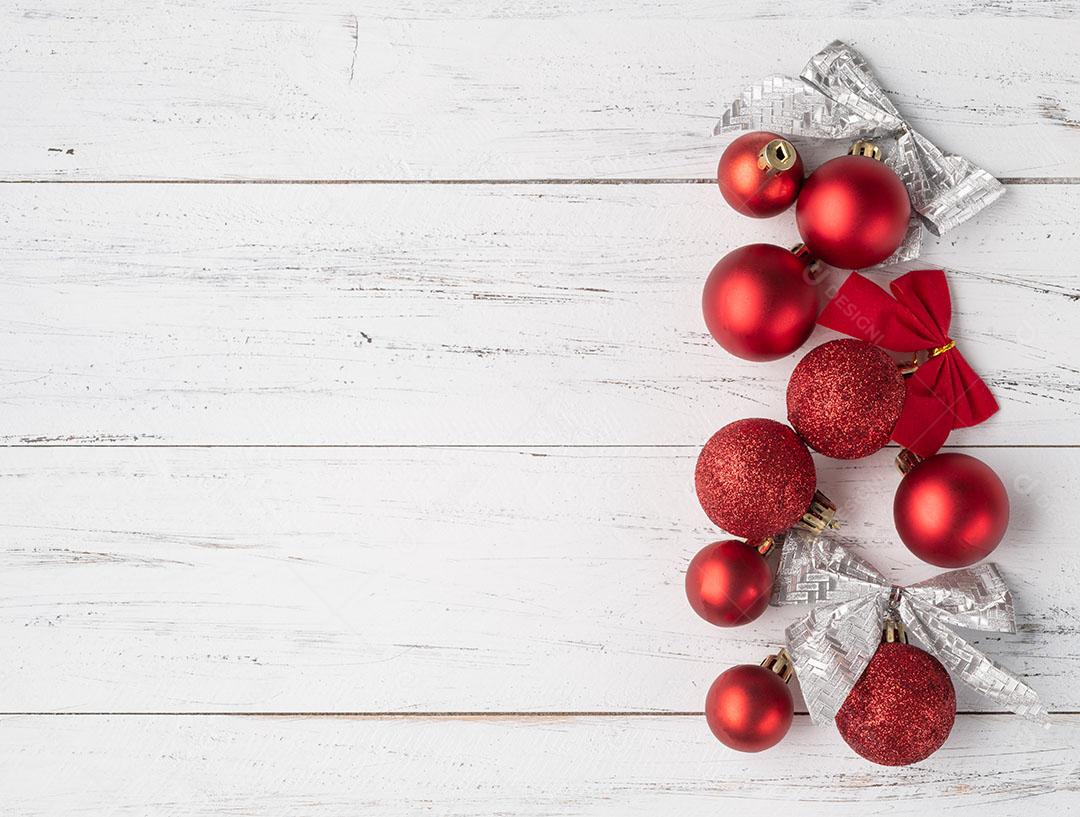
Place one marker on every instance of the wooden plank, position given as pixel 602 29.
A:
pixel 345 580
pixel 518 314
pixel 341 767
pixel 319 88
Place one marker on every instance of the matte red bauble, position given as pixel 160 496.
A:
pixel 853 212
pixel 749 708
pixel 760 174
pixel 951 510
pixel 902 708
pixel 729 583
pixel 755 478
pixel 844 398
pixel 760 302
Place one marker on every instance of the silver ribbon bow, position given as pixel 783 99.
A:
pixel 831 646
pixel 838 97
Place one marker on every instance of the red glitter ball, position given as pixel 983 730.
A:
pixel 755 478
pixel 845 397
pixel 902 708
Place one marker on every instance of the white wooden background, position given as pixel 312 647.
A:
pixel 353 374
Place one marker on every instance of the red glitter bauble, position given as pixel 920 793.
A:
pixel 951 510
pixel 902 708
pixel 729 583
pixel 755 478
pixel 756 190
pixel 844 398
pixel 760 302
pixel 853 212
pixel 749 708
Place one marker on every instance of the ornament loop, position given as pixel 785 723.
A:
pixel 940 350
pixel 912 366
pixel 894 597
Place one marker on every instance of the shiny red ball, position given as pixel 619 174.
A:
pixel 749 708
pixel 753 190
pixel 853 212
pixel 902 708
pixel 844 398
pixel 755 478
pixel 760 302
pixel 951 510
pixel 729 583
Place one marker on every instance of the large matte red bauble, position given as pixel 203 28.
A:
pixel 853 212
pixel 951 510
pixel 755 478
pixel 760 302
pixel 844 398
pixel 729 583
pixel 754 190
pixel 902 708
pixel 749 708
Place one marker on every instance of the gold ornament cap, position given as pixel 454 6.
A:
pixel 813 266
pixel 820 515
pixel 777 156
pixel 894 631
pixel 780 664
pixel 862 147
pixel 906 460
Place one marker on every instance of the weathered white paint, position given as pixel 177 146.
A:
pixel 340 767
pixel 482 314
pixel 425 579
pixel 333 89
pixel 487 580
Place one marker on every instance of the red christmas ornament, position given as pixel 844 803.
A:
pixel 844 398
pixel 729 583
pixel 853 211
pixel 902 708
pixel 760 174
pixel 749 708
pixel 951 510
pixel 755 478
pixel 760 302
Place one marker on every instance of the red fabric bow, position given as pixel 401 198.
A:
pixel 944 392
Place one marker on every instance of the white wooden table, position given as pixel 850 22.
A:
pixel 353 375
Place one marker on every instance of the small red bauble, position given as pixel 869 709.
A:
pixel 749 708
pixel 760 302
pixel 729 583
pixel 755 478
pixel 902 708
pixel 951 510
pixel 853 212
pixel 844 398
pixel 760 174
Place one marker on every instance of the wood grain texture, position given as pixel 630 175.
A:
pixel 391 493
pixel 531 314
pixel 326 89
pixel 204 766
pixel 345 580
